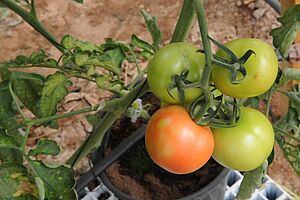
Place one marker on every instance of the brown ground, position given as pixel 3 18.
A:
pixel 98 19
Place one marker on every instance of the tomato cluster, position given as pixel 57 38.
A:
pixel 176 143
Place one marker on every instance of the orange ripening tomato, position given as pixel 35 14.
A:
pixel 176 143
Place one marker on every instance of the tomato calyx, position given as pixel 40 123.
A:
pixel 181 83
pixel 234 64
pixel 211 109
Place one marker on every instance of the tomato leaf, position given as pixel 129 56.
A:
pixel 52 93
pixel 27 87
pixel 41 187
pixel 109 56
pixel 287 130
pixel 9 136
pixel 153 28
pixel 117 56
pixel 45 147
pixel 8 155
pixel 68 42
pixel 284 36
pixel 105 82
pixel 93 119
pixel 7 114
pixel 84 46
pixel 252 180
pixel 4 73
pixel 141 43
pixel 58 180
pixel 15 183
pixel 288 74
pixel 10 140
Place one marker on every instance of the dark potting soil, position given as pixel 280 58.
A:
pixel 136 174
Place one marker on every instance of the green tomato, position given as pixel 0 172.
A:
pixel 261 67
pixel 174 59
pixel 247 145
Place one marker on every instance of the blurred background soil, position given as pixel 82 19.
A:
pixel 98 19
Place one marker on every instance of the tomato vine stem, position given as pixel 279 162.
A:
pixel 223 64
pixel 198 4
pixel 185 21
pixel 25 137
pixel 25 118
pixel 269 98
pixel 31 19
pixel 284 133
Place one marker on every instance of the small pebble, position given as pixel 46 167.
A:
pixel 258 13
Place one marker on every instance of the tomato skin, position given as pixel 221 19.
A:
pixel 176 143
pixel 247 145
pixel 261 67
pixel 174 59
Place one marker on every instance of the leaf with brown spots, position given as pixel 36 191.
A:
pixel 15 183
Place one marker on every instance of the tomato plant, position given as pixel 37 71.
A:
pixel 176 143
pixel 173 59
pixel 261 67
pixel 247 145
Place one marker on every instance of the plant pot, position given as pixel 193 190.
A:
pixel 214 190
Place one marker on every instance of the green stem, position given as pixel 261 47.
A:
pixel 16 102
pixel 135 61
pixel 290 144
pixel 33 11
pixel 269 98
pixel 223 64
pixel 284 133
pixel 184 22
pixel 67 71
pixel 61 116
pixel 33 21
pixel 26 136
pixel 191 85
pixel 288 156
pixel 109 106
pixel 206 43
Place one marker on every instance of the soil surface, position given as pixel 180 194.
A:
pixel 98 19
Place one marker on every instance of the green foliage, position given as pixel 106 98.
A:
pixel 106 82
pixel 28 86
pixel 153 29
pixel 147 49
pixel 52 93
pixel 9 136
pixel 287 130
pixel 85 55
pixel 46 147
pixel 39 59
pixel 7 114
pixel 93 119
pixel 252 180
pixel 15 183
pixel 10 140
pixel 8 155
pixel 58 181
pixel 44 181
pixel 284 36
